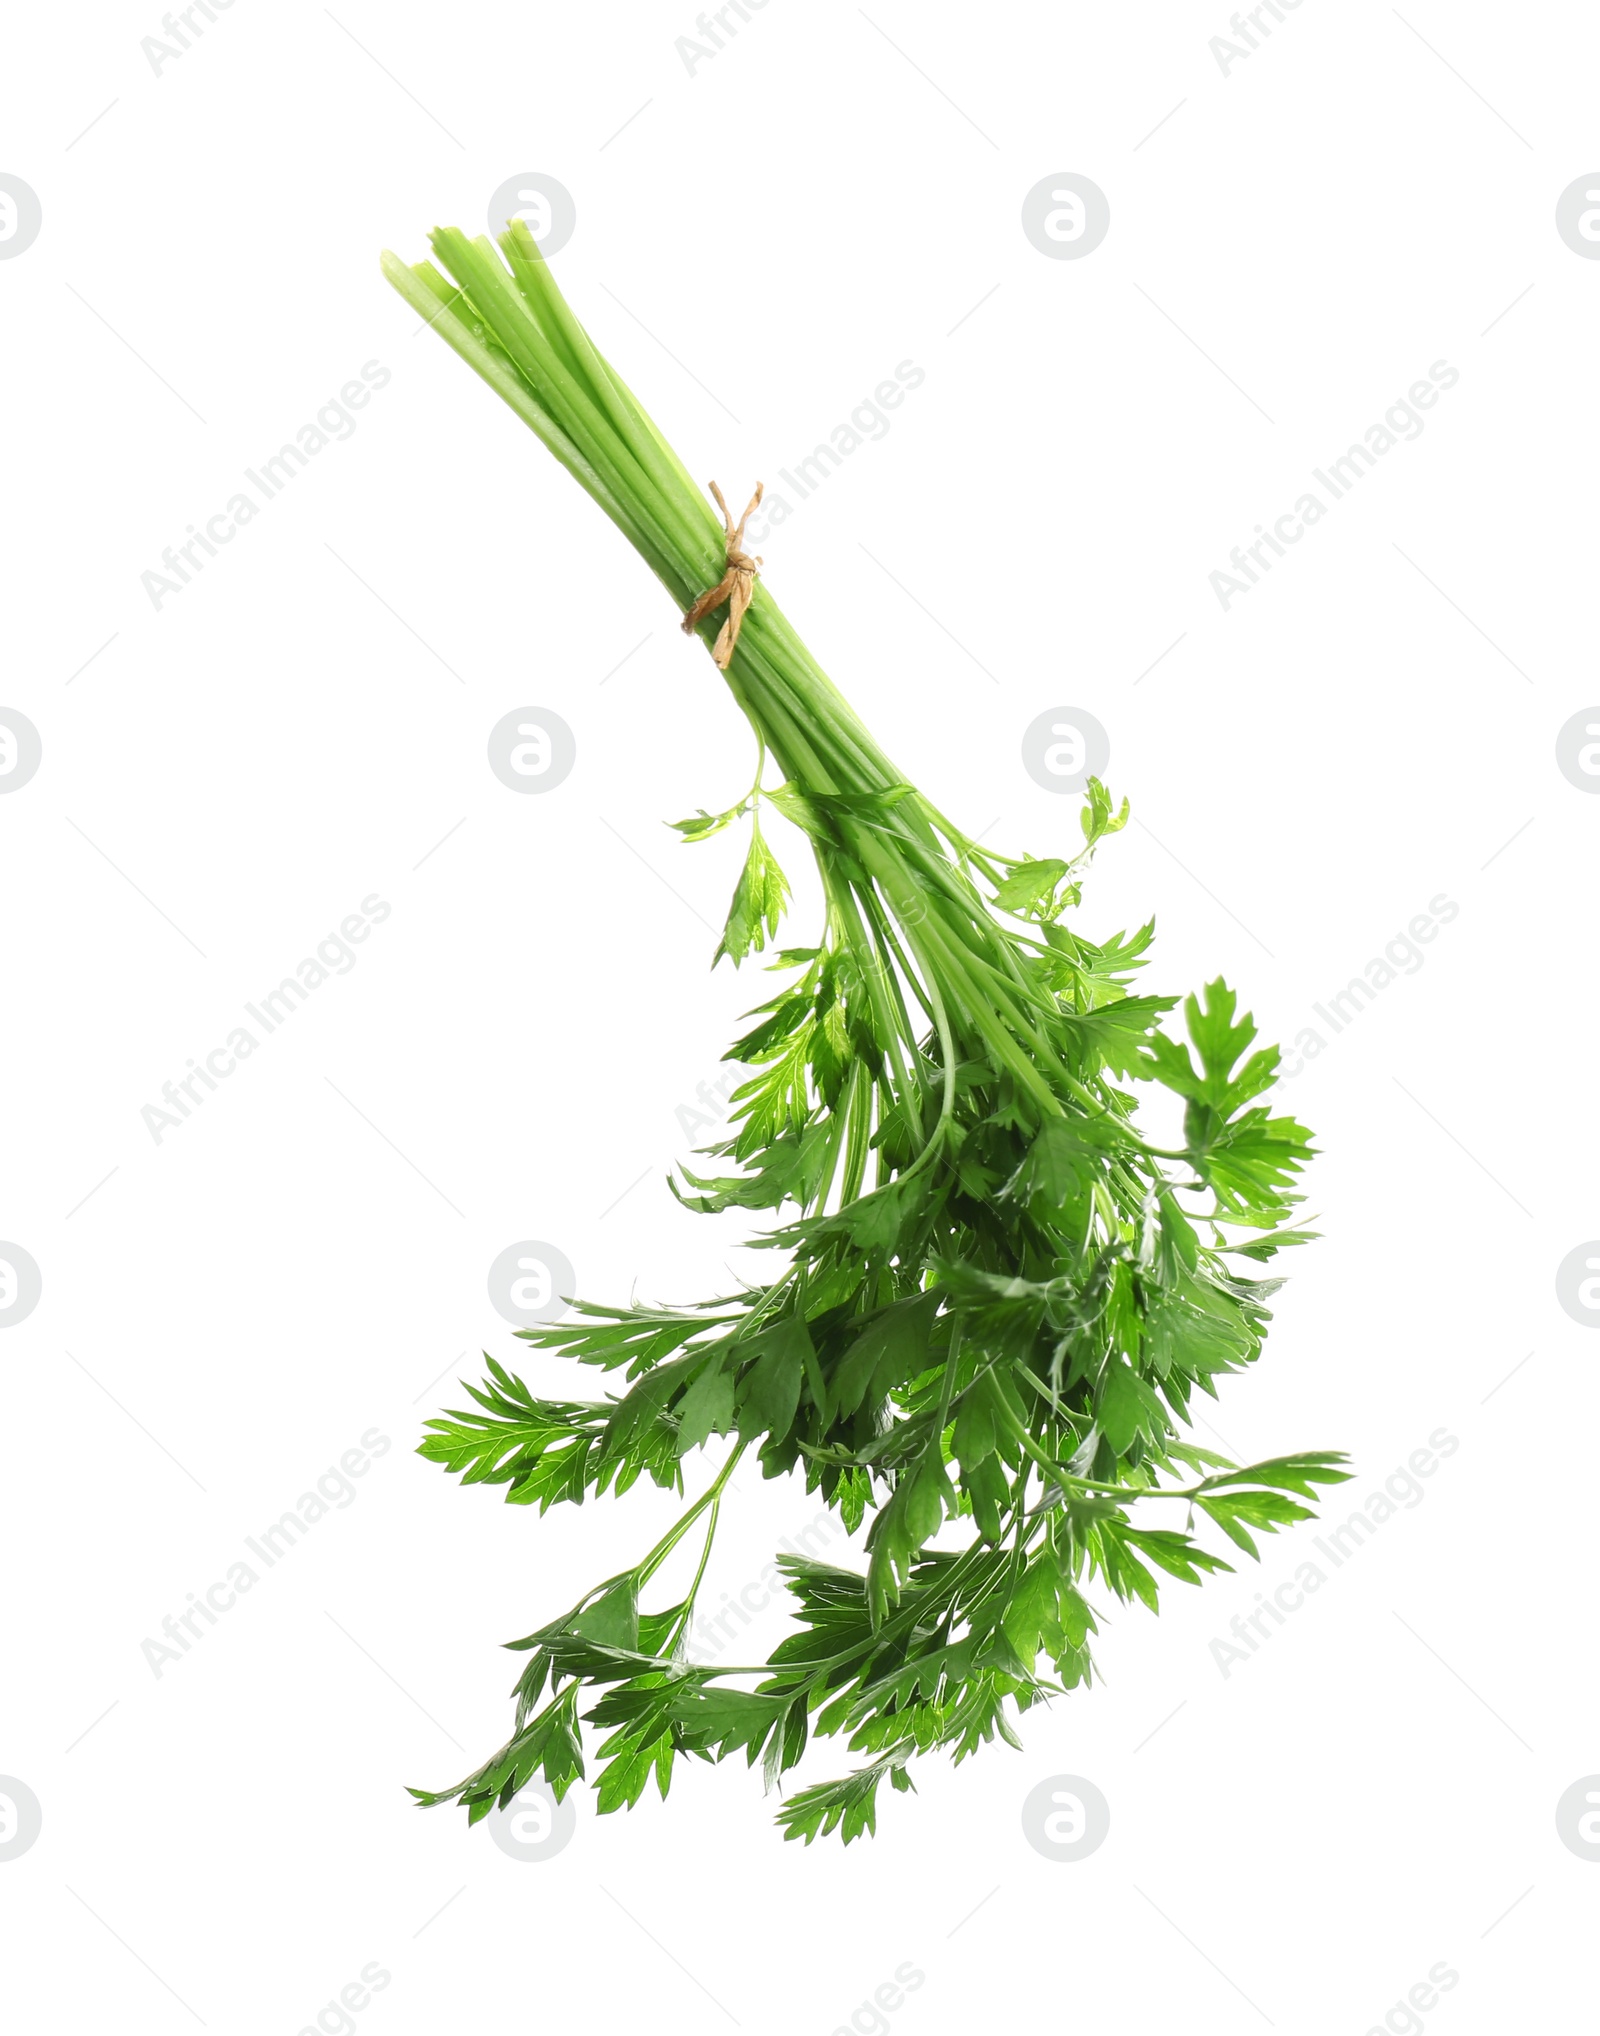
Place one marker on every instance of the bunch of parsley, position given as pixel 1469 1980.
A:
pixel 992 1299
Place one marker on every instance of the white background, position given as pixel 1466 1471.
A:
pixel 1371 1793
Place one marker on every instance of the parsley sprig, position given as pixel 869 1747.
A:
pixel 993 1299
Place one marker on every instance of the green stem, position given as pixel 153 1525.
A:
pixel 669 1541
pixel 680 1625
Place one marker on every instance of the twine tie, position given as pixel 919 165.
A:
pixel 737 585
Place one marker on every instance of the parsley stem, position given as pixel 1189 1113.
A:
pixel 669 1541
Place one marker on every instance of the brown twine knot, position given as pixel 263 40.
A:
pixel 737 585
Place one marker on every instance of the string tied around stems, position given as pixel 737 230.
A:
pixel 737 585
